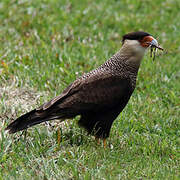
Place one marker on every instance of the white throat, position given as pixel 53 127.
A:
pixel 135 47
pixel 134 51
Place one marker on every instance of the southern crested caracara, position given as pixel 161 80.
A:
pixel 98 96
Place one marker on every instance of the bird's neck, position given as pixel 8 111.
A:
pixel 132 54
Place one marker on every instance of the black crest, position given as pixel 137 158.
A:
pixel 135 35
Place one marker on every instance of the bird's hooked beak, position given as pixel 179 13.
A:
pixel 154 44
pixel 149 41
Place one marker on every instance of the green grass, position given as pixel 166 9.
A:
pixel 45 45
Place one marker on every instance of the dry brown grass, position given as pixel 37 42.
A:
pixel 19 100
pixel 15 99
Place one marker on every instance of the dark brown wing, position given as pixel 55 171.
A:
pixel 94 91
pixel 71 89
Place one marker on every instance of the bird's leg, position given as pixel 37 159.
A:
pixel 104 143
pixel 58 136
pixel 97 140
pixel 25 134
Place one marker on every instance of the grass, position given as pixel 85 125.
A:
pixel 45 45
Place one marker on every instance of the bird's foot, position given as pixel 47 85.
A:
pixel 98 142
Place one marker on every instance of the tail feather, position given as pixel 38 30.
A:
pixel 30 119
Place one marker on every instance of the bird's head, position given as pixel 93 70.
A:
pixel 138 42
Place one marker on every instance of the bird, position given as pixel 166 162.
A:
pixel 98 96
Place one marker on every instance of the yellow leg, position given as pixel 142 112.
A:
pixel 97 140
pixel 104 143
pixel 58 136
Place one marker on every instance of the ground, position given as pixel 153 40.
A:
pixel 45 45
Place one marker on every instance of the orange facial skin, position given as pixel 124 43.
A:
pixel 145 42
